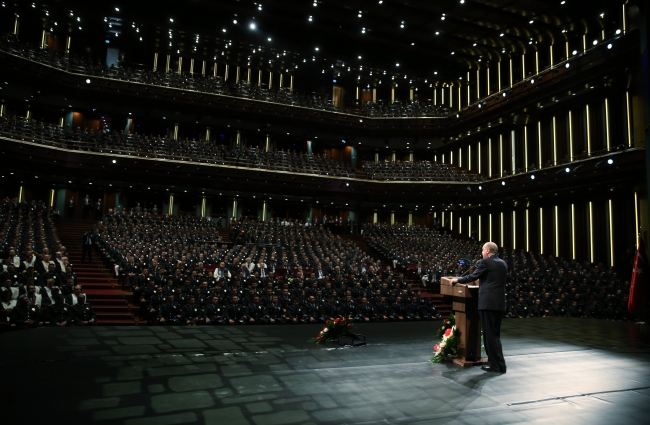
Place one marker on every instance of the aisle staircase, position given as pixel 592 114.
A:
pixel 438 300
pixel 103 291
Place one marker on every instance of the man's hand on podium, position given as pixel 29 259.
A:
pixel 454 281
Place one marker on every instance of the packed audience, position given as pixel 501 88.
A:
pixel 210 84
pixel 417 171
pixel 180 272
pixel 163 147
pixel 404 109
pixel 537 286
pixel 184 80
pixel 37 284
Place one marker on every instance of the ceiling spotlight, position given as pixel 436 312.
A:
pixel 87 80
pixel 567 170
pixel 397 64
pixel 479 188
pixel 532 177
pixel 531 21
pixel 503 183
pixel 609 46
pixel 171 20
pixel 618 32
pixel 117 9
pixel 532 81
pixel 567 65
pixel 309 19
pixel 252 26
pixel 234 21
pixel 316 48
pixel 610 161
pixel 575 52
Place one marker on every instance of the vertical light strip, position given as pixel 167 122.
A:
pixel 512 151
pixel 573 231
pixel 451 221
pixel 557 233
pixel 584 43
pixel 501 230
pixel 451 95
pixel 478 83
pixel 636 214
pixel 629 121
pixel 588 130
pixel 469 99
pixel 490 226
pixel 478 157
pixel 566 48
pixel 20 194
pixel 536 61
pixel 611 234
pixel 510 72
pixel 526 162
pixel 488 80
pixel 451 157
pixel 442 94
pixel 52 191
pixel 541 230
pixel 527 232
pixel 570 136
pixel 469 226
pixel 624 19
pixel 460 94
pixel 435 95
pixel 514 230
pixel 469 157
pixel 460 225
pixel 607 122
pixel 499 74
pixel 539 144
pixel 550 50
pixel 523 66
pixel 480 227
pixel 591 231
pixel 554 143
pixel 203 206
pixel 490 157
pixel 460 157
pixel 501 155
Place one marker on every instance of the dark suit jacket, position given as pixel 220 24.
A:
pixel 492 273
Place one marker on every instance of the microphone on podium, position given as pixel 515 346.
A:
pixel 473 266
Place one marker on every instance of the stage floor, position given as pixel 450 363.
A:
pixel 559 371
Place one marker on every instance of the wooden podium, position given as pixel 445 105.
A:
pixel 465 307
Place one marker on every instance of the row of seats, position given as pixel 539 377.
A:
pixel 149 146
pixel 210 84
pixel 417 170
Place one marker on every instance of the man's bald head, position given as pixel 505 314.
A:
pixel 491 248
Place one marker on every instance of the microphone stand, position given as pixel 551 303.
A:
pixel 473 266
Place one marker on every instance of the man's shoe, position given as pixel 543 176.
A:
pixel 489 369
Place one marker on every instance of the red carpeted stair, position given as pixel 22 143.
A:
pixel 102 289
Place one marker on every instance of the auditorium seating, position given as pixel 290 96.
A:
pixel 597 291
pixel 417 171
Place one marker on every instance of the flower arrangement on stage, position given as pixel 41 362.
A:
pixel 333 329
pixel 448 345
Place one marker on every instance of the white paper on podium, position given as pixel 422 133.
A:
pixel 472 286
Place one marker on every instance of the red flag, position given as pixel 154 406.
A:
pixel 639 280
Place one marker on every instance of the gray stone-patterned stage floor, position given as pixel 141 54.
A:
pixel 559 371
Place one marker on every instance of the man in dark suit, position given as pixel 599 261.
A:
pixel 492 273
pixel 87 241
